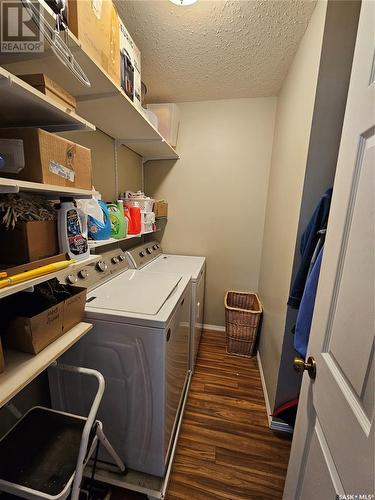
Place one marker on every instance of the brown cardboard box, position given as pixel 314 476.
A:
pixel 33 334
pixel 74 308
pixel 161 208
pixel 48 87
pixel 97 27
pixel 51 159
pixel 28 241
pixel 2 364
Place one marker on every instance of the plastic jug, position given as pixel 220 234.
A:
pixel 120 206
pixel 98 229
pixel 72 228
pixel 134 216
pixel 117 218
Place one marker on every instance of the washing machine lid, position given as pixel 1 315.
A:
pixel 134 292
pixel 180 264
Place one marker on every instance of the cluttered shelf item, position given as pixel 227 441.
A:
pixel 100 43
pixel 23 104
pixel 47 158
pixel 37 272
pixel 131 215
pixel 21 368
pixel 31 321
pixel 29 233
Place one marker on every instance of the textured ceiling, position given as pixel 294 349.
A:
pixel 215 49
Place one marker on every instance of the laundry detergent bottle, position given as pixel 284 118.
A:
pixel 118 224
pixel 72 229
pixel 100 229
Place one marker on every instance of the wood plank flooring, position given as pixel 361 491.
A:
pixel 225 449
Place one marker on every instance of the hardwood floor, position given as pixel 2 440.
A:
pixel 225 449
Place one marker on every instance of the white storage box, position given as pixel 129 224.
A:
pixel 148 222
pixel 152 118
pixel 130 63
pixel 168 121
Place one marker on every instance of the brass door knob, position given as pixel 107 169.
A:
pixel 310 365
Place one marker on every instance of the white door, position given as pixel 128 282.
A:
pixel 333 446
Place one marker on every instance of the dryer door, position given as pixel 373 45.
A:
pixel 176 365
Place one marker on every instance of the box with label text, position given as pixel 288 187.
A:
pixel 130 61
pixel 51 159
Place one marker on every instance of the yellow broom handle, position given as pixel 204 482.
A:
pixel 35 273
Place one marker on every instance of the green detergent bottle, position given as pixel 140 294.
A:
pixel 118 222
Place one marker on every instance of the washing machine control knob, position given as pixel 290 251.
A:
pixel 121 258
pixel 71 279
pixel 142 254
pixel 115 260
pixel 83 274
pixel 155 247
pixel 101 266
pixel 149 250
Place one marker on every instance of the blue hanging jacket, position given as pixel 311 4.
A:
pixel 308 244
pixel 306 309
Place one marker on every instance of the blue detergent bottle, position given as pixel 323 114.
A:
pixel 100 230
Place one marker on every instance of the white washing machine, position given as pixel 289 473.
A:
pixel 140 343
pixel 149 257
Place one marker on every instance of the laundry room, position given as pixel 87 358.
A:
pixel 187 203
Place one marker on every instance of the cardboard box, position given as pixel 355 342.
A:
pixel 2 363
pixel 51 159
pixel 96 25
pixel 131 80
pixel 74 308
pixel 33 334
pixel 28 241
pixel 161 208
pixel 48 87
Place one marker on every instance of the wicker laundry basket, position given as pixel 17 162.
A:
pixel 243 311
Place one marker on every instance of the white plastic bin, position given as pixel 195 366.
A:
pixel 168 121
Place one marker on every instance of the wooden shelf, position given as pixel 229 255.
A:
pixel 22 105
pixel 111 241
pixel 22 368
pixel 9 290
pixel 104 103
pixel 16 186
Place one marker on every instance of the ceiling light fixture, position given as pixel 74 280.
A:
pixel 183 3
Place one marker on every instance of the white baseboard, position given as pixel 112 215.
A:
pixel 214 328
pixel 274 424
pixel 264 387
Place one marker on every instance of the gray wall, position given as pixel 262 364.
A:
pixel 313 175
pixel 289 157
pixel 332 89
pixel 217 192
